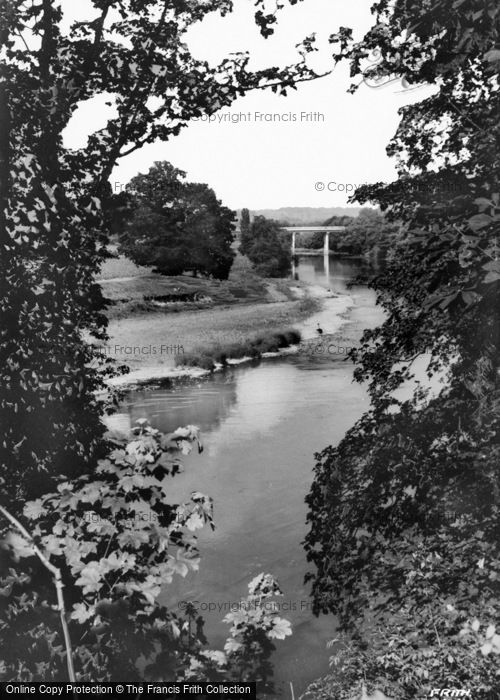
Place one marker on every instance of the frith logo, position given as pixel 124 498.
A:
pixel 450 693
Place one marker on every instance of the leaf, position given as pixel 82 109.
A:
pixel 217 656
pixel 150 589
pixel 281 628
pixel 479 221
pixel 185 447
pixel 490 631
pixel 5 591
pixel 492 277
pixel 195 522
pixel 410 491
pixel 181 568
pixel 483 203
pixel 54 545
pixel 492 56
pixel 34 509
pixel 120 561
pixel 264 585
pixel 493 265
pixel 91 492
pixel 19 544
pixel 232 646
pixel 471 298
pixel 158 70
pixel 176 632
pixel 81 613
pixel 92 577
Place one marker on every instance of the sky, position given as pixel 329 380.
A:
pixel 307 149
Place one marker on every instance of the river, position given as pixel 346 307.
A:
pixel 261 426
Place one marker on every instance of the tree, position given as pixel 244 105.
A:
pixel 370 233
pixel 266 249
pixel 367 234
pixel 245 228
pixel 53 237
pixel 178 227
pixel 404 511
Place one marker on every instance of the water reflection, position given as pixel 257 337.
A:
pixel 333 273
pixel 209 401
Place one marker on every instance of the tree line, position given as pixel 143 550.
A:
pixel 179 227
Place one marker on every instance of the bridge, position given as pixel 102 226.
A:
pixel 314 229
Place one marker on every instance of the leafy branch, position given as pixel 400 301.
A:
pixel 56 573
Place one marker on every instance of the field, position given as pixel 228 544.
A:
pixel 168 338
pixel 160 322
pixel 133 290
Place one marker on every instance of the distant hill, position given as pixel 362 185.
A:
pixel 312 216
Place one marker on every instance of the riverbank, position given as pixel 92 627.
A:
pixel 153 345
pixel 164 327
pixel 131 290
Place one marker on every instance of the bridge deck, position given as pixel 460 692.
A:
pixel 310 229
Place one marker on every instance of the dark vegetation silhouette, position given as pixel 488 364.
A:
pixel 403 512
pixel 176 226
pixel 267 247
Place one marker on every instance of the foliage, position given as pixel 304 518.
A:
pixel 178 226
pixel 266 249
pixel 118 542
pixel 368 234
pixel 404 511
pixel 410 524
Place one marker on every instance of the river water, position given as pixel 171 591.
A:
pixel 261 426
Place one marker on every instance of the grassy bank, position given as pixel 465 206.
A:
pixel 170 340
pixel 133 290
pixel 158 323
pixel 219 353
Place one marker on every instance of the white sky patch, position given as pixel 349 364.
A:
pixel 84 11
pixel 77 11
pixel 90 116
pixel 154 102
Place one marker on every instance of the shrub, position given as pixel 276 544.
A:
pixel 254 347
pixel 118 541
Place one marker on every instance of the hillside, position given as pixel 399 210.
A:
pixel 305 215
